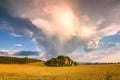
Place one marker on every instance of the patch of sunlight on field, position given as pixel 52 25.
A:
pixel 38 71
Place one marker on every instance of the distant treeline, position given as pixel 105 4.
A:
pixel 99 63
pixel 14 60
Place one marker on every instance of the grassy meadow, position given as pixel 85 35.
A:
pixel 38 71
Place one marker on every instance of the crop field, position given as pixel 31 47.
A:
pixel 37 71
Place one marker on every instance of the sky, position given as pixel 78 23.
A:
pixel 85 30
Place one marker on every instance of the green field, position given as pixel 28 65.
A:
pixel 37 71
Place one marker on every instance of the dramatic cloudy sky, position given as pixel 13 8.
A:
pixel 85 30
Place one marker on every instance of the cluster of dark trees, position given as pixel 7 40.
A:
pixel 61 61
pixel 14 60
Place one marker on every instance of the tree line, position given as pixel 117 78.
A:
pixel 14 60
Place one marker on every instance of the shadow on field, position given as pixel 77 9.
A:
pixel 108 76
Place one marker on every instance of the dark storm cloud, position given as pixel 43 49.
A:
pixel 3 53
pixel 19 53
pixel 27 53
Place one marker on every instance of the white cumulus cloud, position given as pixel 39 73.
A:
pixel 17 45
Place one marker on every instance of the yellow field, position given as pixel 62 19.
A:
pixel 37 71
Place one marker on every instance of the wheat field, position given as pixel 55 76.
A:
pixel 38 71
